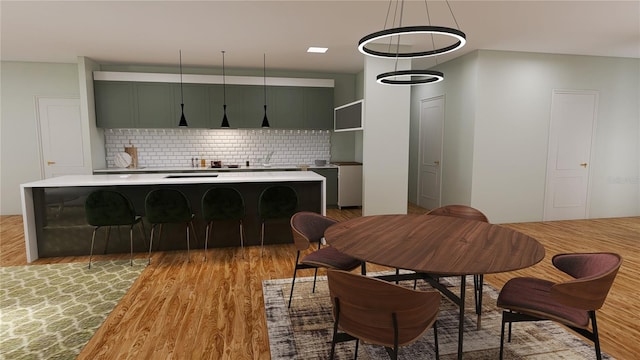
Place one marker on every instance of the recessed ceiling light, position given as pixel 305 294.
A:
pixel 319 50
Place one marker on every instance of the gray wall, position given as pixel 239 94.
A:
pixel 19 146
pixel 504 100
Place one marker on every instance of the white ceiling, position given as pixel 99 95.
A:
pixel 152 32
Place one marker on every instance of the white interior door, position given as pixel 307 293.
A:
pixel 61 137
pixel 430 157
pixel 573 119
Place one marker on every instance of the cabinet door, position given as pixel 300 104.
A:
pixel 155 106
pixel 253 106
pixel 318 104
pixel 289 110
pixel 196 109
pixel 114 104
pixel 331 185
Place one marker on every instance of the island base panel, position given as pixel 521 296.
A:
pixel 61 228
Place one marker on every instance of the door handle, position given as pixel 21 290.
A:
pixel 584 165
pixel 436 162
pixel 50 162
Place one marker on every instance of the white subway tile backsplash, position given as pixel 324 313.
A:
pixel 176 147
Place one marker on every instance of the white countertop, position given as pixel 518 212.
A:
pixel 165 178
pixel 241 168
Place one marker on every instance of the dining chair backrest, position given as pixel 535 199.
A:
pixel 167 206
pixel 594 274
pixel 309 227
pixel 367 307
pixel 109 208
pixel 460 211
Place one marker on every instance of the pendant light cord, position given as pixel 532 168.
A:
pixel 181 94
pixel 264 76
pixel 224 84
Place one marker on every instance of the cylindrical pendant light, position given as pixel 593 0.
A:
pixel 225 122
pixel 183 120
pixel 265 121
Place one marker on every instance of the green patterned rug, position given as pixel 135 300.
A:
pixel 304 331
pixel 51 311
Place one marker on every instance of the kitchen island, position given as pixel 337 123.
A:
pixel 53 209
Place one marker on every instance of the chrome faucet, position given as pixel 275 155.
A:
pixel 267 159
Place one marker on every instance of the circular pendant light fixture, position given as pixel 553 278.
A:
pixel 393 51
pixel 364 45
pixel 410 77
pixel 183 120
pixel 265 121
pixel 458 35
pixel 225 121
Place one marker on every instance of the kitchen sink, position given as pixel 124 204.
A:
pixel 189 176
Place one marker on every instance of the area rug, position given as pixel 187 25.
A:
pixel 304 331
pixel 51 311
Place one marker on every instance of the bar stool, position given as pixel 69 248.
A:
pixel 276 202
pixel 222 204
pixel 165 206
pixel 111 208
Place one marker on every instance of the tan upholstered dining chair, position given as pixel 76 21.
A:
pixel 308 228
pixel 572 303
pixel 379 312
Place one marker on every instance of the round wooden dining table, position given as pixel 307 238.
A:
pixel 430 244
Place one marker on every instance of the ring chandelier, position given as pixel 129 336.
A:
pixel 411 77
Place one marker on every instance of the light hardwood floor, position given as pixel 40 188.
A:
pixel 215 309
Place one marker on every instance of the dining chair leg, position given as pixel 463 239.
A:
pixel 188 246
pixel 335 329
pixel 93 238
pixel 262 239
pixel 315 276
pixel 242 238
pixel 355 354
pixel 206 239
pixel 295 271
pixel 143 232
pixel 502 335
pixel 131 243
pixel 435 339
pixel 193 231
pixel 153 229
pixel 596 338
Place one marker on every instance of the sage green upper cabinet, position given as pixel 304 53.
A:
pixel 318 107
pixel 196 107
pixel 131 104
pixel 288 107
pixel 114 104
pixel 253 106
pixel 155 106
